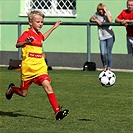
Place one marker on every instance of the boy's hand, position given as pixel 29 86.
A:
pixel 57 24
pixel 30 39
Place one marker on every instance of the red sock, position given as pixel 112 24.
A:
pixel 53 101
pixel 16 90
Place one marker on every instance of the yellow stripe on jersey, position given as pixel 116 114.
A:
pixel 33 64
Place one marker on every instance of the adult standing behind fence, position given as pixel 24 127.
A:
pixel 106 35
pixel 125 17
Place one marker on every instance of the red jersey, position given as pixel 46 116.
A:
pixel 125 14
pixel 33 64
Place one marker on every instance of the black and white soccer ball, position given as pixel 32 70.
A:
pixel 107 78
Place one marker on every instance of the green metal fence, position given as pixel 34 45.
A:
pixel 87 24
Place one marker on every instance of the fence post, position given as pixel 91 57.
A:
pixel 88 43
pixel 19 33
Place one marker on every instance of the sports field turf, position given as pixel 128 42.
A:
pixel 93 108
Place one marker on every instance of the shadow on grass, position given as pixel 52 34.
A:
pixel 15 114
pixel 18 114
pixel 84 119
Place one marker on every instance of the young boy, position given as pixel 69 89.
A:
pixel 34 68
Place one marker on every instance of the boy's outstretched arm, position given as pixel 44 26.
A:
pixel 46 34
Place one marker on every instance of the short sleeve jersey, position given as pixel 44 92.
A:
pixel 125 14
pixel 104 32
pixel 33 64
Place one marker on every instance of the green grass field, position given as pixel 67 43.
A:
pixel 93 108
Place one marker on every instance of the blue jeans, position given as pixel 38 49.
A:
pixel 106 51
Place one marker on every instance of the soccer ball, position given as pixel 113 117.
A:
pixel 107 78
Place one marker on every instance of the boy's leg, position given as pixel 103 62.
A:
pixel 53 102
pixel 21 91
pixel 52 99
pixel 51 96
pixel 60 114
pixel 12 89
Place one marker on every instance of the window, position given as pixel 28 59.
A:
pixel 60 8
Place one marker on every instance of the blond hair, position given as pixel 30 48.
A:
pixel 34 12
pixel 100 7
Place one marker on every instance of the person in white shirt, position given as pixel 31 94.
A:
pixel 106 35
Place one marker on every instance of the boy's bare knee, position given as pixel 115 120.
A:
pixel 24 93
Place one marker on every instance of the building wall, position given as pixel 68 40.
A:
pixel 66 40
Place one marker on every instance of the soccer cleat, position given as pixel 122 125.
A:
pixel 9 92
pixel 61 114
